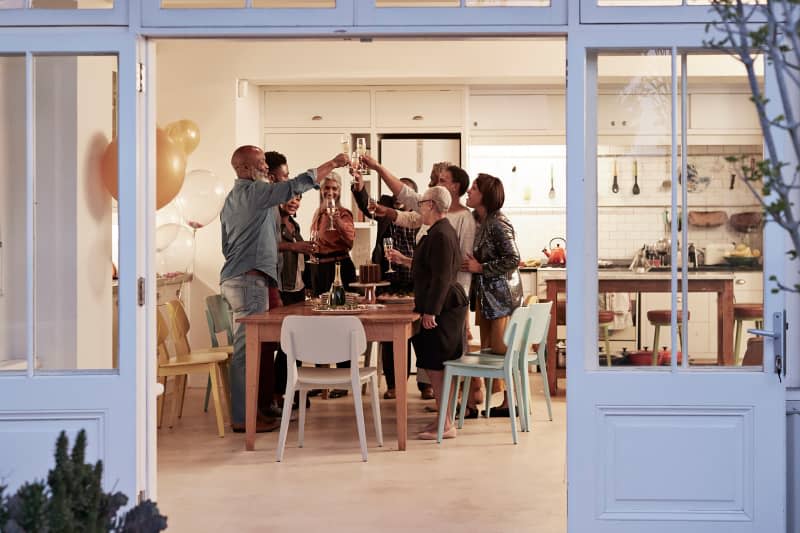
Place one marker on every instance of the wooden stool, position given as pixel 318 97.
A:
pixel 605 319
pixel 742 312
pixel 663 317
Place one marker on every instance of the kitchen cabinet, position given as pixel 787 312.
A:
pixel 506 112
pixel 318 109
pixel 422 109
pixel 722 113
pixel 633 114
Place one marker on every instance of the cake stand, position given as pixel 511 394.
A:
pixel 369 289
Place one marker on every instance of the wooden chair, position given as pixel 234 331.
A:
pixel 220 320
pixel 187 362
pixel 334 339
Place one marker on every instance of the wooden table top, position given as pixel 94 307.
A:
pixel 400 312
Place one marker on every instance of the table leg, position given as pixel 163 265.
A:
pixel 401 334
pixel 552 357
pixel 252 369
pixel 725 354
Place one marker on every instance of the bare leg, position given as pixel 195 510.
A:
pixel 437 382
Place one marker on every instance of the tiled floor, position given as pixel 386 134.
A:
pixel 476 482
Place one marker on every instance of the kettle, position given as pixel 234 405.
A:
pixel 557 255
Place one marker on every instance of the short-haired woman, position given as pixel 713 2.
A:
pixel 438 297
pixel 496 288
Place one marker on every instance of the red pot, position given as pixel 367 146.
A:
pixel 641 358
pixel 665 357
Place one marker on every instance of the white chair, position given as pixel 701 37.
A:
pixel 326 340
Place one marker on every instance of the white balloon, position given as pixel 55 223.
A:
pixel 169 214
pixel 201 198
pixel 165 235
pixel 178 255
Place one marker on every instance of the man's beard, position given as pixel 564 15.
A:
pixel 260 175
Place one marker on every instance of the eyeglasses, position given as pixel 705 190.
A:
pixel 424 201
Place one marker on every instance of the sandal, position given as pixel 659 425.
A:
pixel 390 394
pixel 501 412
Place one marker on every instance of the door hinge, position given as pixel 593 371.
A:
pixel 778 335
pixel 140 291
pixel 140 77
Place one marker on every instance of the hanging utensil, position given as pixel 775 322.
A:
pixel 635 177
pixel 615 185
pixel 552 193
pixel 666 184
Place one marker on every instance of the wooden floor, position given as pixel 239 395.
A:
pixel 476 482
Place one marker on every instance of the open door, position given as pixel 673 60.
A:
pixel 72 349
pixel 696 443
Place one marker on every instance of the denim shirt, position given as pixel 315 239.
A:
pixel 250 229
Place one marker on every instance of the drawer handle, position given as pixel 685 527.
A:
pixel 740 281
pixel 316 117
pixel 417 117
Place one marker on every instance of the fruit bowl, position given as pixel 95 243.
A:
pixel 741 260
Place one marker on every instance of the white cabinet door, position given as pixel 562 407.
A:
pixel 318 109
pixel 633 114
pixel 533 112
pixel 722 113
pixel 414 158
pixel 418 109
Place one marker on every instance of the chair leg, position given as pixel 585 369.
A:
pixel 367 362
pixel 285 417
pixel 183 380
pixel 543 369
pixel 449 389
pixel 487 398
pixel 737 343
pixel 212 373
pixel 655 344
pixel 376 409
pixel 525 386
pixel 511 405
pixel 607 344
pixel 464 400
pixel 520 402
pixel 359 406
pixel 680 337
pixel 160 402
pixel 225 399
pixel 208 395
pixel 301 421
pixel 226 383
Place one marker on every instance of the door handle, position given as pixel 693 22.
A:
pixel 778 336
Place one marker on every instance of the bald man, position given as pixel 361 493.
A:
pixel 250 246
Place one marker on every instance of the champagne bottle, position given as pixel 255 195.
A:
pixel 336 296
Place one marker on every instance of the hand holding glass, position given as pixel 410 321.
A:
pixel 388 245
pixel 372 205
pixel 314 242
pixel 330 207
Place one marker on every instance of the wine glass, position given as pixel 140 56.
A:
pixel 372 206
pixel 361 146
pixel 314 240
pixel 345 143
pixel 388 244
pixel 355 161
pixel 330 207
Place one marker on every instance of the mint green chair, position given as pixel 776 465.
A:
pixel 219 318
pixel 489 366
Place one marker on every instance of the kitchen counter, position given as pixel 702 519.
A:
pixel 659 270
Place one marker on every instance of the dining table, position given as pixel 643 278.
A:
pixel 720 283
pixel 392 322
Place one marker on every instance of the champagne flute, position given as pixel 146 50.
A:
pixel 361 146
pixel 314 240
pixel 345 143
pixel 372 206
pixel 388 245
pixel 330 207
pixel 355 162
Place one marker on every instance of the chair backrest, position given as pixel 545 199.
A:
pixel 515 335
pixel 540 323
pixel 218 315
pixel 162 333
pixel 322 339
pixel 180 327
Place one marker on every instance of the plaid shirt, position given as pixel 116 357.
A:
pixel 403 241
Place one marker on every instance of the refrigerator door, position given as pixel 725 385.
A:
pixel 414 158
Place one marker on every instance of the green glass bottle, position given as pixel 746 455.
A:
pixel 336 296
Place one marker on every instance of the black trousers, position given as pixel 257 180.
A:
pixel 387 357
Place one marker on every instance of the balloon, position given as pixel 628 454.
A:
pixel 166 235
pixel 178 255
pixel 185 133
pixel 170 168
pixel 169 214
pixel 201 198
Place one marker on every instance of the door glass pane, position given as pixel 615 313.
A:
pixel 633 123
pixel 75 168
pixel 13 214
pixel 417 3
pixel 202 4
pixel 57 4
pixel 724 217
pixel 294 4
pixel 641 3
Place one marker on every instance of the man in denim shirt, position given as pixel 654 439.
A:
pixel 250 247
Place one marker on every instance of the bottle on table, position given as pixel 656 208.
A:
pixel 336 295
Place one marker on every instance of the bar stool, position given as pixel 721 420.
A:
pixel 742 312
pixel 604 320
pixel 663 317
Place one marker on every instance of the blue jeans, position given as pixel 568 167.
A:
pixel 247 295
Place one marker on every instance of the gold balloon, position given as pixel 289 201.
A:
pixel 185 133
pixel 170 168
